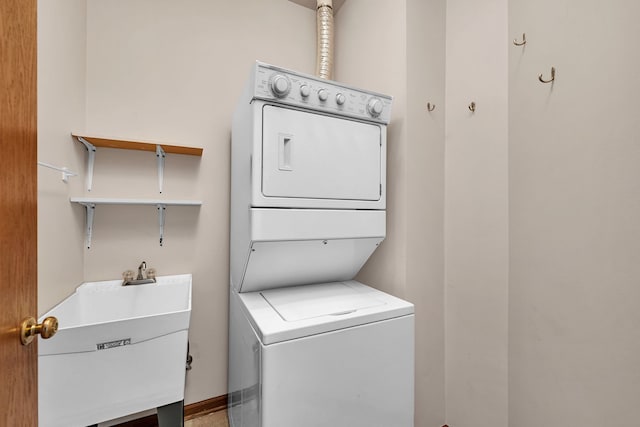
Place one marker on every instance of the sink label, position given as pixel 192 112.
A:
pixel 112 344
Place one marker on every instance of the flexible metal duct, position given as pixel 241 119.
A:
pixel 324 18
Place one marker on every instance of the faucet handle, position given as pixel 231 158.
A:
pixel 128 276
pixel 151 273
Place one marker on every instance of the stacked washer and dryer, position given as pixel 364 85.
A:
pixel 309 346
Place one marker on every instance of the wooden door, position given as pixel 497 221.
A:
pixel 18 216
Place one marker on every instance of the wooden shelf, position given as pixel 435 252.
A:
pixel 100 141
pixel 159 148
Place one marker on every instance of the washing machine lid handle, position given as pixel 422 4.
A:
pixel 308 302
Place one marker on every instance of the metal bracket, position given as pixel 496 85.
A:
pixel 161 214
pixel 90 204
pixel 161 156
pixel 90 160
pixel 90 210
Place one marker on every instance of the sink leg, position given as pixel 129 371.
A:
pixel 171 415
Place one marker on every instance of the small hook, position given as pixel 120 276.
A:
pixel 472 107
pixel 522 43
pixel 430 107
pixel 553 76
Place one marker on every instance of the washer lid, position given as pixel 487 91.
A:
pixel 307 302
pixel 285 314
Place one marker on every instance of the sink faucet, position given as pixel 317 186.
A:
pixel 142 271
pixel 144 276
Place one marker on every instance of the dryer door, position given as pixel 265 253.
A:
pixel 312 156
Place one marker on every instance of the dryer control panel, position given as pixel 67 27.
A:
pixel 291 88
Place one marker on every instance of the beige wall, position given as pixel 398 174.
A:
pixel 403 55
pixel 382 69
pixel 574 323
pixel 61 107
pixel 424 213
pixel 159 70
pixel 170 71
pixel 162 71
pixel 476 214
pixel 569 248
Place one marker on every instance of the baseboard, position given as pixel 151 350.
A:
pixel 205 407
pixel 191 411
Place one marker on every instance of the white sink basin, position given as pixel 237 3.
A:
pixel 118 350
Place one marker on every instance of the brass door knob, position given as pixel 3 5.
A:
pixel 30 328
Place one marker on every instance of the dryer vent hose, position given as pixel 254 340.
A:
pixel 324 18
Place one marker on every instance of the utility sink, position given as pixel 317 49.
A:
pixel 118 350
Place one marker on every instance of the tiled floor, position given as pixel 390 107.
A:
pixel 216 419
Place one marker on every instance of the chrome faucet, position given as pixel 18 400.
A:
pixel 144 276
pixel 142 271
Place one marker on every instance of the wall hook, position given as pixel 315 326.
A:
pixel 472 107
pixel 522 43
pixel 553 76
pixel 430 107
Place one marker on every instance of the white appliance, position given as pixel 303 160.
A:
pixel 308 346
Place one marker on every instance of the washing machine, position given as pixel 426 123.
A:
pixel 308 345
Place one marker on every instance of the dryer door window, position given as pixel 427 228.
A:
pixel 311 156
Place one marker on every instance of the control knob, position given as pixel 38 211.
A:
pixel 375 107
pixel 280 85
pixel 305 91
pixel 340 99
pixel 323 95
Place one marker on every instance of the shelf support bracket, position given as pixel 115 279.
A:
pixel 161 156
pixel 161 214
pixel 90 210
pixel 90 161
